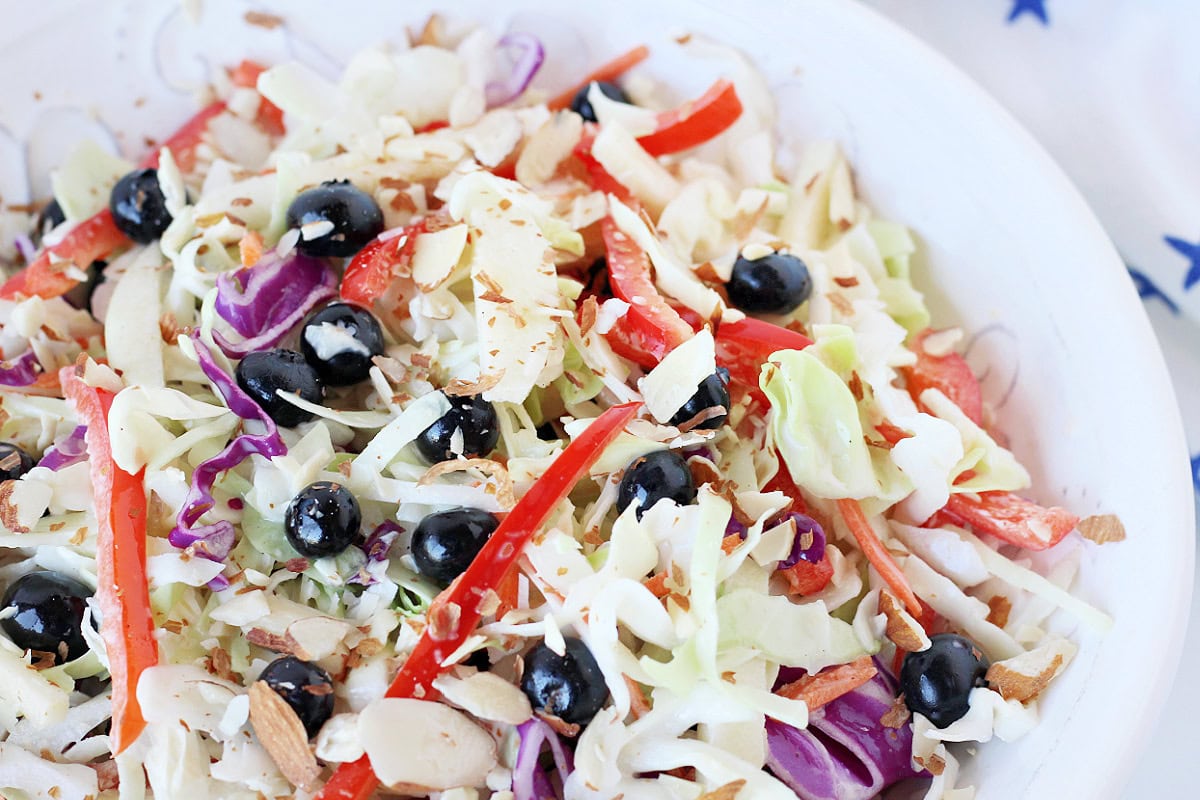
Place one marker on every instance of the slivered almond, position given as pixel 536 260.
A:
pixel 219 664
pixel 559 725
pixel 902 630
pixel 280 644
pixel 1102 528
pixel 935 764
pixel 729 791
pixel 587 315
pixel 283 736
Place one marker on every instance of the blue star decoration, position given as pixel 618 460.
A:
pixel 1148 290
pixel 1035 7
pixel 1196 471
pixel 1192 253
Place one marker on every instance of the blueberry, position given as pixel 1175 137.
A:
pixel 444 544
pixel 354 214
pixel 777 283
pixel 583 107
pixel 49 614
pixel 711 393
pixel 323 520
pixel 474 417
pixel 340 341
pixel 49 218
pixel 263 373
pixel 937 681
pixel 570 687
pixel 661 475
pixel 14 461
pixel 139 207
pixel 305 687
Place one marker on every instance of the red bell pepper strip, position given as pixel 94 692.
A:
pixel 355 780
pixel 609 72
pixel 650 325
pixel 98 236
pixel 92 239
pixel 269 116
pixel 949 373
pixel 877 554
pixel 744 346
pixel 122 593
pixel 183 142
pixel 695 122
pixel 1010 518
pixel 373 269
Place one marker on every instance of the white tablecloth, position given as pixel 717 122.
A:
pixel 1112 90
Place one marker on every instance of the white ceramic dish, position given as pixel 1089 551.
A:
pixel 1010 251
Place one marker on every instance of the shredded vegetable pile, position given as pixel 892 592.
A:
pixel 417 431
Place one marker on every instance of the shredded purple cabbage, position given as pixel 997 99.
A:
pixel 216 540
pixel 816 548
pixel 263 303
pixel 376 545
pixel 525 55
pixel 529 781
pixel 21 371
pixel 70 450
pixel 25 247
pixel 734 526
pixel 845 753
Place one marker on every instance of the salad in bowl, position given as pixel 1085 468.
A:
pixel 420 432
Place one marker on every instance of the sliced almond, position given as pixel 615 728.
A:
pixel 729 791
pixel 486 696
pixel 425 744
pixel 902 630
pixel 280 644
pixel 283 736
pixel 1023 677
pixel 999 607
pixel 504 491
pixel 897 715
pixel 1102 528
pixel 462 388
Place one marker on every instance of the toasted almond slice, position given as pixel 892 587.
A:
pixel 727 792
pixel 283 736
pixel 1023 677
pixel 1102 528
pixel 417 743
pixel 504 492
pixel 897 715
pixel 486 696
pixel 999 607
pixel 902 630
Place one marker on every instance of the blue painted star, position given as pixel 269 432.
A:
pixel 1148 290
pixel 1192 253
pixel 1196 472
pixel 1035 7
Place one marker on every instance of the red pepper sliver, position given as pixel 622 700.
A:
pixel 184 141
pixel 949 373
pixel 744 346
pixel 92 239
pixel 695 122
pixel 458 606
pixel 609 72
pixel 122 593
pixel 1010 518
pixel 877 554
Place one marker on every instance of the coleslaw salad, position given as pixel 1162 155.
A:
pixel 851 502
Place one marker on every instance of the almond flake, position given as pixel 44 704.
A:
pixel 999 607
pixel 463 388
pixel 934 765
pixel 444 619
pixel 280 644
pixel 505 494
pixel 559 725
pixel 897 715
pixel 902 630
pixel 1024 677
pixel 712 412
pixel 9 514
pixel 261 19
pixel 587 315
pixel 283 736
pixel 729 791
pixel 219 664
pixel 1102 528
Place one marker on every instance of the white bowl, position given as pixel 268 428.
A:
pixel 1009 251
